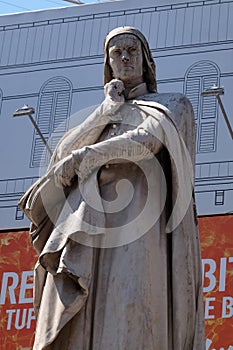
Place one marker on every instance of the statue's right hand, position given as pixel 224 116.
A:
pixel 64 172
pixel 114 90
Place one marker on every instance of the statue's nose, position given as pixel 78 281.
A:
pixel 125 56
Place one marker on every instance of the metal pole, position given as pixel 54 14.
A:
pixel 217 91
pixel 225 115
pixel 26 110
pixel 40 134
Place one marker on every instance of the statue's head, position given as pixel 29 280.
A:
pixel 141 56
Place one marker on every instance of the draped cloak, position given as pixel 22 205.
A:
pixel 126 280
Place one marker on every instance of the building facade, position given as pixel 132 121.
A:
pixel 53 60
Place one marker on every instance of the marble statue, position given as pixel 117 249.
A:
pixel 114 221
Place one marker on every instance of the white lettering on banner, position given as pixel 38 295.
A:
pixel 215 273
pixel 24 286
pixel 227 307
pixel 208 308
pixel 209 345
pixel 10 281
pixel 209 274
pixel 222 277
pixel 20 318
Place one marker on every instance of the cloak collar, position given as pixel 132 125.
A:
pixel 138 90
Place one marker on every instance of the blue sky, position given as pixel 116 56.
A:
pixel 13 6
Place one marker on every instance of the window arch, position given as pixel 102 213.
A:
pixel 52 113
pixel 201 76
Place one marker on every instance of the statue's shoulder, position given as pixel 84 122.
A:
pixel 177 105
pixel 173 101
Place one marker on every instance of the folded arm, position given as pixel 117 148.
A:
pixel 135 145
pixel 141 143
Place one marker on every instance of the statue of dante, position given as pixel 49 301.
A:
pixel 114 221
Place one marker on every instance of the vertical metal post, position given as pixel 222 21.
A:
pixel 224 115
pixel 217 91
pixel 40 134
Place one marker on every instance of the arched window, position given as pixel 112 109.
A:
pixel 52 112
pixel 201 76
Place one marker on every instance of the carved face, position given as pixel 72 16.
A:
pixel 126 58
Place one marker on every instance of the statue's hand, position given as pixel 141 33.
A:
pixel 114 90
pixel 64 172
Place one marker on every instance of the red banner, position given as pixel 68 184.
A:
pixel 217 261
pixel 17 258
pixel 17 319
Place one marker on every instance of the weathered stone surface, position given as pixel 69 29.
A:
pixel 120 267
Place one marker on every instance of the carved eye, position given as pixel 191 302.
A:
pixel 133 50
pixel 116 52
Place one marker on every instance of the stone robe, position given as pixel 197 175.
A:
pixel 125 279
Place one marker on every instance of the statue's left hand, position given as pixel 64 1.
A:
pixel 64 172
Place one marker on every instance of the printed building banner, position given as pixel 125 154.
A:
pixel 17 319
pixel 17 258
pixel 217 261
